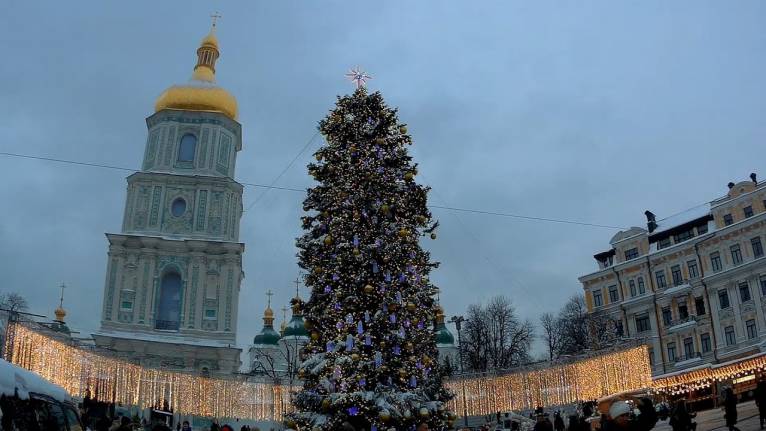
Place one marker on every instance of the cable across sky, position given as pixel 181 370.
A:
pixel 303 190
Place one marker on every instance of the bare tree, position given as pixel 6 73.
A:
pixel 13 302
pixel 495 337
pixel 277 364
pixel 573 321
pixel 551 334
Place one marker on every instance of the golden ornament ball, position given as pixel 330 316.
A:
pixel 315 335
pixel 326 404
pixel 380 141
pixel 318 156
pixel 356 252
pixel 290 423
pixel 355 357
pixel 368 289
pixel 409 176
pixel 307 324
pixel 301 373
pixel 433 236
pixel 384 415
pixel 411 306
pixel 384 208
pixel 424 413
pixel 409 346
pixel 402 372
pixel 402 129
pixel 327 240
pixel 403 232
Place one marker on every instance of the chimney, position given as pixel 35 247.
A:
pixel 753 177
pixel 730 185
pixel 651 221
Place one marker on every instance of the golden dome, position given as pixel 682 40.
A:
pixel 269 314
pixel 60 314
pixel 201 92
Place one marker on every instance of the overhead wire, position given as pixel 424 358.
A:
pixel 273 185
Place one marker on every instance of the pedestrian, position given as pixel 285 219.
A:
pixel 185 426
pixel 214 426
pixel 543 423
pixel 618 418
pixel 124 425
pixel 760 400
pixel 647 415
pixel 681 419
pixel 558 422
pixel 227 427
pixel 423 427
pixel 730 409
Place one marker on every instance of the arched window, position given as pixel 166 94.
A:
pixel 169 309
pixel 187 148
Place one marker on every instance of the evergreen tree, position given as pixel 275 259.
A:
pixel 371 361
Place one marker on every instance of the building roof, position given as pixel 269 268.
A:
pixel 268 336
pixel 682 218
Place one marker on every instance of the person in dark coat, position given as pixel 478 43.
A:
pixel 681 419
pixel 760 400
pixel 730 409
pixel 558 422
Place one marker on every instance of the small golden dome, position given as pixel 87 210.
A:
pixel 201 93
pixel 210 40
pixel 60 314
pixel 268 313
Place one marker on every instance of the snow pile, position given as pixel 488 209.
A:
pixel 13 378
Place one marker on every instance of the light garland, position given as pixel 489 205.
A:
pixel 116 381
pixel 586 379
pixel 705 377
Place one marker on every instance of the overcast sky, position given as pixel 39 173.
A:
pixel 586 111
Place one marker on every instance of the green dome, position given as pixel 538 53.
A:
pixel 443 335
pixel 267 336
pixel 296 327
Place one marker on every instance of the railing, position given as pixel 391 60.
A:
pixel 687 319
pixel 166 325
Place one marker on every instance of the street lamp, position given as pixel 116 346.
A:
pixel 458 321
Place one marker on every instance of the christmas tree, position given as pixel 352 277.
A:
pixel 371 360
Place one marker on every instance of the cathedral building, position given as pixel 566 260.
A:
pixel 173 275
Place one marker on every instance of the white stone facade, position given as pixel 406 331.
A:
pixel 171 294
pixel 692 286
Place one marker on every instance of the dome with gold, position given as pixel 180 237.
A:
pixel 201 93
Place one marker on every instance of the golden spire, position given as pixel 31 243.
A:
pixel 60 312
pixel 268 314
pixel 201 94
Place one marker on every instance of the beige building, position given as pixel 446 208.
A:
pixel 692 285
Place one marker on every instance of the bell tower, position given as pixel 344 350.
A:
pixel 173 276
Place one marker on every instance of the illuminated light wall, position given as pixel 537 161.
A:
pixel 587 379
pixel 113 380
pixel 705 377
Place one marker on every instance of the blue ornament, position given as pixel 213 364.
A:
pixel 363 383
pixel 366 316
pixel 349 342
pixel 327 289
pixel 367 340
pixel 375 267
pixel 388 277
pixel 339 326
pixel 359 328
pixel 335 277
pixel 353 411
pixel 392 318
pixel 349 318
pixel 402 278
pixel 413 382
pixel 378 359
pixel 330 346
pixel 397 350
pixel 356 241
pixel 420 325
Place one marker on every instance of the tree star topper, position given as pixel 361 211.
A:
pixel 358 76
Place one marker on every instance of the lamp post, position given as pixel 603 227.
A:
pixel 458 321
